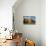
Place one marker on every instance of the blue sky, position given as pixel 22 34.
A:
pixel 30 17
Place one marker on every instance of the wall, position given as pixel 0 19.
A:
pixel 6 16
pixel 43 22
pixel 29 8
pixel 6 13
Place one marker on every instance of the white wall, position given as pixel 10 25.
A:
pixel 43 22
pixel 6 13
pixel 6 16
pixel 29 8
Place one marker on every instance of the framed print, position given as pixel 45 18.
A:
pixel 29 19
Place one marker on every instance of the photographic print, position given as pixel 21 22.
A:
pixel 29 19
